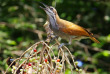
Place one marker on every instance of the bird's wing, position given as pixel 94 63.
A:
pixel 73 29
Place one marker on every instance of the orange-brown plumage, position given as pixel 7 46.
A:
pixel 72 29
pixel 75 30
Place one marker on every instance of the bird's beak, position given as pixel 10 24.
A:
pixel 46 6
pixel 47 9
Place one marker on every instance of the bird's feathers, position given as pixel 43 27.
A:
pixel 74 30
pixel 94 39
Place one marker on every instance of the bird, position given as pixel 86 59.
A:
pixel 65 29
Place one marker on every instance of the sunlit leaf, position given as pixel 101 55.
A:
pixel 11 42
pixel 108 38
pixel 106 53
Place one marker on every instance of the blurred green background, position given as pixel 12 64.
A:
pixel 21 25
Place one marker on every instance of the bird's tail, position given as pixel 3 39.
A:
pixel 94 39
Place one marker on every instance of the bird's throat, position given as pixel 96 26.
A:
pixel 53 23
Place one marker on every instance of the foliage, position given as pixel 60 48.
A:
pixel 21 25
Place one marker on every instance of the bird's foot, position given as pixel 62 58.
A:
pixel 53 38
pixel 62 44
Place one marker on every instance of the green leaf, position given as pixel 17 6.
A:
pixel 19 39
pixel 11 42
pixel 106 53
pixel 12 8
pixel 108 38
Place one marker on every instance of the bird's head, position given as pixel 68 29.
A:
pixel 51 11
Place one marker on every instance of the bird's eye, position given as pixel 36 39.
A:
pixel 51 8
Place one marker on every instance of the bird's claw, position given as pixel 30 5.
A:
pixel 60 46
pixel 54 38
